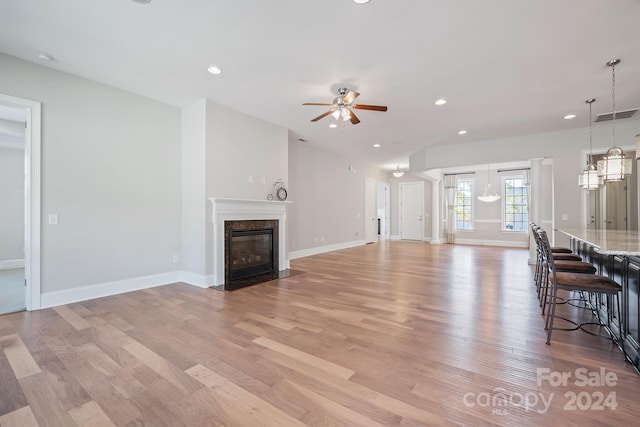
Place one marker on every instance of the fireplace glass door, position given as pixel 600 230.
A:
pixel 251 253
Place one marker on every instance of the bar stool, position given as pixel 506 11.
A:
pixel 580 282
pixel 560 254
pixel 569 263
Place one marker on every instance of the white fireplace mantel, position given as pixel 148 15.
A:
pixel 239 210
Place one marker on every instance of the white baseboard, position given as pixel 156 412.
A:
pixel 198 280
pixel 322 249
pixel 507 243
pixel 83 293
pixel 394 237
pixel 10 264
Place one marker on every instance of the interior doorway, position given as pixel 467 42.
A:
pixel 12 205
pixel 412 211
pixel 614 205
pixel 370 216
pixel 19 204
pixel 384 199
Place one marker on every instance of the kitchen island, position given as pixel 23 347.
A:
pixel 616 254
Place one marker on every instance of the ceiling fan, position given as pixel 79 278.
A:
pixel 343 106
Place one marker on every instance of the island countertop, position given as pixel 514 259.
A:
pixel 608 242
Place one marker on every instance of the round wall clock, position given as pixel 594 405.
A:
pixel 281 193
pixel 279 190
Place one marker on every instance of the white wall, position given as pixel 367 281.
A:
pixel 11 203
pixel 110 170
pixel 328 198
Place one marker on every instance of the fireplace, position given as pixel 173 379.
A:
pixel 247 216
pixel 251 252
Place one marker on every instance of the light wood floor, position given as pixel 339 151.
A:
pixel 385 334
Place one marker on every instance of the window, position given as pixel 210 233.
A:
pixel 515 208
pixel 462 205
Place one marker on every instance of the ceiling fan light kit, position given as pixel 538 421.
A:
pixel 343 106
pixel 398 172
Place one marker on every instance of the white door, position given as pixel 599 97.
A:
pixel 412 211
pixel 370 211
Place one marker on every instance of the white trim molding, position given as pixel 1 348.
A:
pixel 199 280
pixel 83 293
pixel 242 210
pixel 10 264
pixel 323 249
pixel 484 242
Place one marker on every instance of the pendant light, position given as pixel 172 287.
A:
pixel 489 194
pixel 398 172
pixel 614 166
pixel 589 178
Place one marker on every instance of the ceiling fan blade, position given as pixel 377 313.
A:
pixel 316 103
pixel 354 120
pixel 370 107
pixel 350 97
pixel 323 115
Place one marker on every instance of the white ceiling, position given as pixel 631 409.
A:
pixel 506 67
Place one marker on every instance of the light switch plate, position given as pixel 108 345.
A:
pixel 53 219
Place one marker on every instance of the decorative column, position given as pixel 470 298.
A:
pixel 436 206
pixel 535 216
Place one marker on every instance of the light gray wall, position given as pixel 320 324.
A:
pixel 240 145
pixel 565 148
pixel 488 216
pixel 194 200
pixel 11 203
pixel 328 197
pixel 110 170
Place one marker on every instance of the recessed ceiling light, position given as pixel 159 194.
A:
pixel 43 56
pixel 333 125
pixel 570 116
pixel 462 132
pixel 441 101
pixel 361 1
pixel 214 69
pixel 141 1
pixel 376 145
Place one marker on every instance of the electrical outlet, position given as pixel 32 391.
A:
pixel 53 219
pixel 250 179
pixel 176 259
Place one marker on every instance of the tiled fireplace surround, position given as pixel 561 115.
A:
pixel 244 210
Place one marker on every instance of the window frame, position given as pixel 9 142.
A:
pixel 503 203
pixel 471 220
